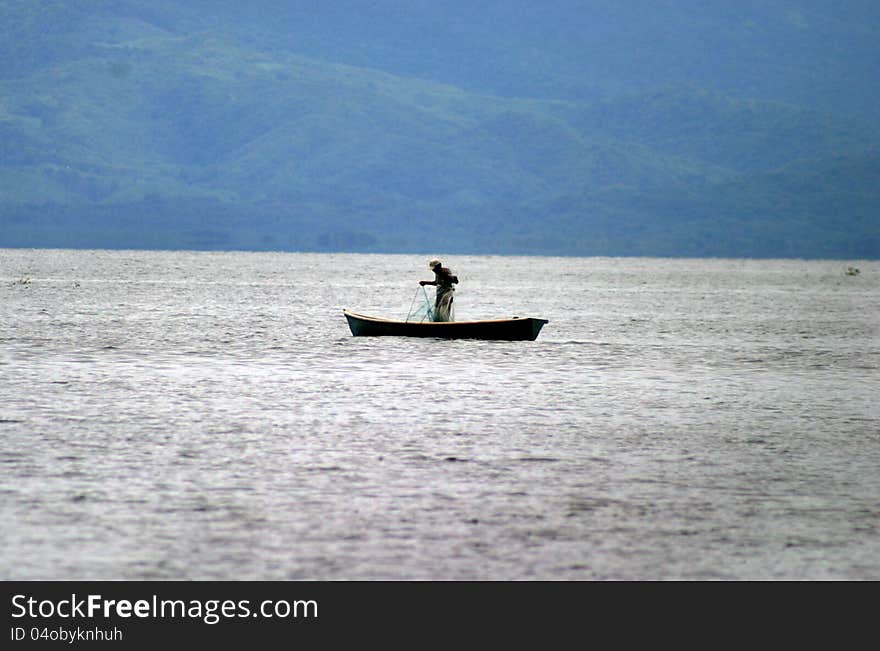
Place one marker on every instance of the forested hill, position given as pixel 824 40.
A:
pixel 563 127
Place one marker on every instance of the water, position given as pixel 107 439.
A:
pixel 182 415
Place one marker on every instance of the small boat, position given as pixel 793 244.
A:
pixel 512 329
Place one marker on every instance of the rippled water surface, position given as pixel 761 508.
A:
pixel 181 415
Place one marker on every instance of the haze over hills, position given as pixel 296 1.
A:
pixel 565 127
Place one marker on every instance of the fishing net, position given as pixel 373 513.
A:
pixel 444 308
pixel 421 308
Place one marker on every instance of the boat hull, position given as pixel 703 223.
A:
pixel 513 329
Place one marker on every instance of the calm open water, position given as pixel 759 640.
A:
pixel 183 415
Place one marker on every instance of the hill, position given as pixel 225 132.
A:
pixel 266 126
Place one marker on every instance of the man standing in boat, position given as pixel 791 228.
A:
pixel 444 280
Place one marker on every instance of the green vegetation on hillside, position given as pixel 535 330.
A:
pixel 128 126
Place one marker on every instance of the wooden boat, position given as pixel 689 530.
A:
pixel 512 329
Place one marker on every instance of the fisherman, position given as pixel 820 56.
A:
pixel 444 280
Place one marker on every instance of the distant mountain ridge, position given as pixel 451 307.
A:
pixel 203 127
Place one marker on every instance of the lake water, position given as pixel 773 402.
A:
pixel 185 415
